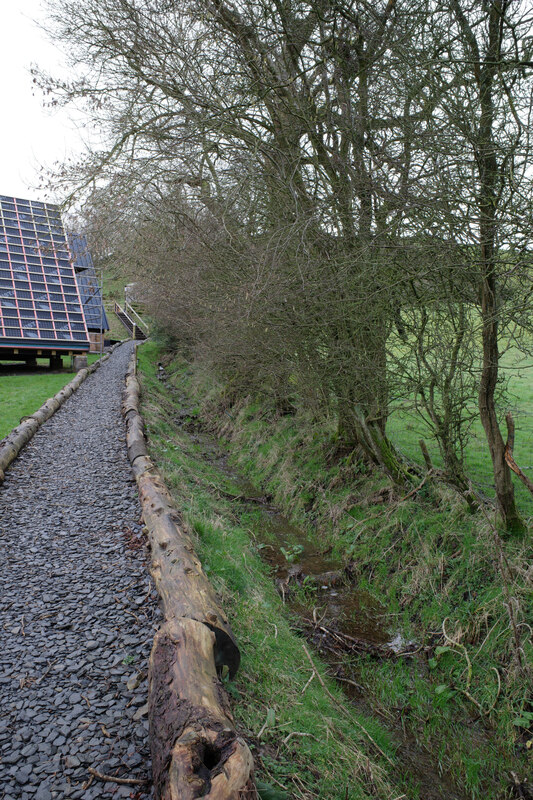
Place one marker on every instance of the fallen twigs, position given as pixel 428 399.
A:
pixel 46 672
pixel 336 641
pixel 414 491
pixel 458 647
pixel 114 779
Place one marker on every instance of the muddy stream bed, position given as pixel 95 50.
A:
pixel 340 620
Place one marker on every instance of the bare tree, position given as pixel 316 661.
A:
pixel 483 124
pixel 300 153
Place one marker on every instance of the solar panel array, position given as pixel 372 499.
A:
pixel 91 297
pixel 39 299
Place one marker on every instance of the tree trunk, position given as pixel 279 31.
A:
pixel 366 436
pixel 488 177
pixel 487 409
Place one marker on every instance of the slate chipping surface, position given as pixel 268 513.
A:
pixel 77 607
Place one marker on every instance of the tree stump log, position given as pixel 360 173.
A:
pixel 196 751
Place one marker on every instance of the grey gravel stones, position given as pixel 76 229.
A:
pixel 77 608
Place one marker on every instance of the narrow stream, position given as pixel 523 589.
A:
pixel 339 619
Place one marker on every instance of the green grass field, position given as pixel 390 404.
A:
pixel 406 428
pixel 22 393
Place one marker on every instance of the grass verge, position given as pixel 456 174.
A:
pixel 22 393
pixel 306 742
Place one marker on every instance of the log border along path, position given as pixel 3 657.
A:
pixel 196 751
pixel 13 443
pixel 78 610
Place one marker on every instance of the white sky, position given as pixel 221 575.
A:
pixel 31 137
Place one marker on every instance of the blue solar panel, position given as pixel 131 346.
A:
pixel 40 304
pixel 91 296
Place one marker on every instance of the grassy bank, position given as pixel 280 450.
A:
pixel 445 577
pixel 305 744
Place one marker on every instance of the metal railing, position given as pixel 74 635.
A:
pixel 141 323
pixel 128 313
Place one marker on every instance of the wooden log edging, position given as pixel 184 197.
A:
pixel 196 751
pixel 13 443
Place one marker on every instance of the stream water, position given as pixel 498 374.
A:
pixel 336 616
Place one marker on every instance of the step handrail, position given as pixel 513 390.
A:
pixel 131 326
pixel 124 318
pixel 119 310
pixel 142 323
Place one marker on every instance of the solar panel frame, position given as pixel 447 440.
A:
pixel 88 286
pixel 40 301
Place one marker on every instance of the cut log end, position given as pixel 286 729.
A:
pixel 227 654
pixel 196 751
pixel 210 766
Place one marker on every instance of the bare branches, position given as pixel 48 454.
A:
pixel 326 201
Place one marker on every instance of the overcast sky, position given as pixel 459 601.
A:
pixel 31 137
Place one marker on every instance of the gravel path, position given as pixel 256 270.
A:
pixel 77 608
